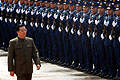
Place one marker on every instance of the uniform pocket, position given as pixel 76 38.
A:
pixel 28 46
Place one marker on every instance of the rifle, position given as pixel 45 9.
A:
pixel 48 22
pixel 2 12
pixel 96 29
pixel 90 28
pixel 60 25
pixel 105 31
pixel 81 26
pixel 67 26
pixel 113 31
pixel 74 26
pixel 53 25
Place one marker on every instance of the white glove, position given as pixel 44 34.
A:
pixel 10 20
pixel 11 9
pixel 5 19
pixel 78 32
pixel 47 27
pixel 74 19
pixel 96 22
pixel 37 13
pixel 61 17
pixel 8 10
pixel 21 21
pixel 88 33
pixel 90 21
pixel 119 39
pixel 36 24
pixel 1 18
pixel 15 21
pixel 59 29
pixel 42 14
pixel 32 12
pixel 42 25
pixel 55 16
pixel 67 17
pixel 110 37
pixel 102 36
pixel 17 11
pixel 26 12
pixel 52 27
pixel 2 8
pixel 82 20
pixel 106 23
pixel 22 11
pixel 72 31
pixel 66 29
pixel 93 34
pixel 31 24
pixel 48 15
pixel 114 23
pixel 25 22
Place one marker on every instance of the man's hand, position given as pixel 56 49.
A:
pixel 12 73
pixel 38 67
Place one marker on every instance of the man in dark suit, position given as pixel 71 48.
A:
pixel 21 52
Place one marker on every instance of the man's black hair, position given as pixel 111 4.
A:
pixel 18 26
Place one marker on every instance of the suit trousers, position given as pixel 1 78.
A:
pixel 24 76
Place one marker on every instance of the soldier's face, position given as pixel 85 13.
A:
pixel 42 4
pixel 30 2
pixel 94 10
pixel 26 2
pixel 101 10
pixel 21 1
pixel 15 1
pixel 78 8
pixel 117 12
pixel 5 1
pixel 60 6
pixel 37 3
pixel 85 9
pixel 47 4
pixel 71 7
pixel 10 1
pixel 109 12
pixel 53 5
pixel 22 32
pixel 65 6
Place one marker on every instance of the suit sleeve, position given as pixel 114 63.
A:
pixel 10 57
pixel 35 54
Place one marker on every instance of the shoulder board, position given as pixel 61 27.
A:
pixel 14 39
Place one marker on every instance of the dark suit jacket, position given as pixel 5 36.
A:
pixel 20 55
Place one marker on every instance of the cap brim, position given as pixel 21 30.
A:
pixel 77 4
pixel 108 8
pixel 100 6
pixel 91 6
pixel 117 9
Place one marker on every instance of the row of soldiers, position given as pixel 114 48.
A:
pixel 84 35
